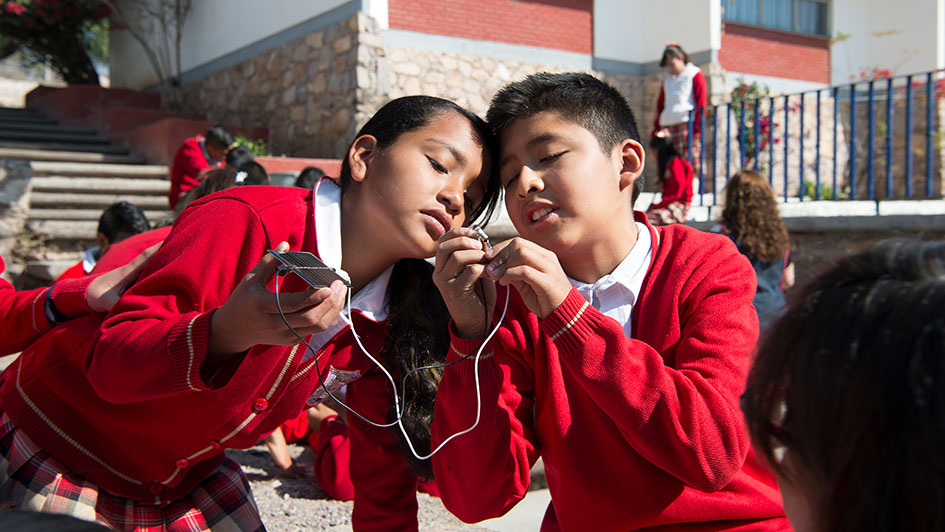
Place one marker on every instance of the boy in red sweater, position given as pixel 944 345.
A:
pixel 624 347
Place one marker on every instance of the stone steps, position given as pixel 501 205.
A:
pixel 58 214
pixel 69 156
pixel 15 134
pixel 99 201
pixel 105 185
pixel 101 170
pixel 62 147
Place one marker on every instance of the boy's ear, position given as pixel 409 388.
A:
pixel 632 159
pixel 360 154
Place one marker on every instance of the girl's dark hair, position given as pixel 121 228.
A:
pixel 673 51
pixel 238 156
pixel 309 176
pixel 665 152
pixel 751 213
pixel 418 326
pixel 851 382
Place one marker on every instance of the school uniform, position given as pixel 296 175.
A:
pixel 145 424
pixel 191 159
pixel 27 314
pixel 676 195
pixel 629 391
pixel 681 94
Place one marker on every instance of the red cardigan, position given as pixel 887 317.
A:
pixel 189 161
pixel 23 314
pixel 122 403
pixel 635 433
pixel 677 183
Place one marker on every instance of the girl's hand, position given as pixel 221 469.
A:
pixel 459 266
pixel 104 291
pixel 532 270
pixel 250 316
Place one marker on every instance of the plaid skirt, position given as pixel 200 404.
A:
pixel 30 479
pixel 679 136
pixel 674 213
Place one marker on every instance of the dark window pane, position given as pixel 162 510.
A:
pixel 740 11
pixel 779 14
pixel 812 17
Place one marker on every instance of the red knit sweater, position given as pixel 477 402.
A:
pixel 635 433
pixel 188 162
pixel 677 183
pixel 23 314
pixel 124 405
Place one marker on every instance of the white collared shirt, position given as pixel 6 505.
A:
pixel 615 293
pixel 371 300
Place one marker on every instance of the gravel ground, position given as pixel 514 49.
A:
pixel 290 505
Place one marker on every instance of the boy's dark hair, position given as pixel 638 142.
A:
pixel 219 136
pixel 238 155
pixel 418 330
pixel 672 51
pixel 308 177
pixel 121 220
pixel 574 96
pixel 851 382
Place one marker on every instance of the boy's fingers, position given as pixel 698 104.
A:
pixel 266 268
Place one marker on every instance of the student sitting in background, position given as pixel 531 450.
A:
pixel 846 398
pixel 193 157
pixel 674 174
pixel 118 222
pixel 309 176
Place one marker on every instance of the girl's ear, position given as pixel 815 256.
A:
pixel 632 159
pixel 363 149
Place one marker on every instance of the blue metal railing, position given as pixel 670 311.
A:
pixel 868 141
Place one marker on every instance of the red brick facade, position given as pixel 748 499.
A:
pixel 763 52
pixel 556 24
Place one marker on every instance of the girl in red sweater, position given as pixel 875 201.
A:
pixel 133 414
pixel 674 174
pixel 683 91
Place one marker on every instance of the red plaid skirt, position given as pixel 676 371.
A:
pixel 30 479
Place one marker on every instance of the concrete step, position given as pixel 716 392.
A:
pixel 71 230
pixel 99 201
pixel 63 146
pixel 38 215
pixel 24 119
pixel 37 127
pixel 48 137
pixel 68 156
pixel 76 169
pixel 114 185
pixel 20 112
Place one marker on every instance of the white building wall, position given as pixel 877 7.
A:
pixel 904 37
pixel 637 30
pixel 213 28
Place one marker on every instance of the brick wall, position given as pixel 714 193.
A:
pixel 763 52
pixel 556 24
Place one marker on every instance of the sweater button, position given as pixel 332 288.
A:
pixel 260 404
pixel 156 487
pixel 182 463
pixel 217 446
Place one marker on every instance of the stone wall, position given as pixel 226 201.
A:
pixel 311 92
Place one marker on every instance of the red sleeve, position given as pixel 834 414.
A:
pixel 189 161
pixel 75 271
pixel 155 339
pixel 684 418
pixel 332 459
pixel 385 486
pixel 505 437
pixel 660 103
pixel 699 97
pixel 23 314
pixel 678 171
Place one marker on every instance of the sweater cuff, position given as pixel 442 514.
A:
pixel 462 347
pixel 572 323
pixel 70 296
pixel 187 346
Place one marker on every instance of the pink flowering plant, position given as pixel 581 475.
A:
pixel 751 94
pixel 59 31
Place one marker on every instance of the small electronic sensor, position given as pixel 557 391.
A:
pixel 307 266
pixel 481 235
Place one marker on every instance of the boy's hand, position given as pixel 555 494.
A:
pixel 459 267
pixel 532 270
pixel 250 316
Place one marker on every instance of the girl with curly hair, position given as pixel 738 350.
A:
pixel 751 219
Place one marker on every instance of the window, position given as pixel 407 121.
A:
pixel 800 16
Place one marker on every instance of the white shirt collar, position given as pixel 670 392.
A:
pixel 371 299
pixel 615 293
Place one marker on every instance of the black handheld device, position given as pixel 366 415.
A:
pixel 307 266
